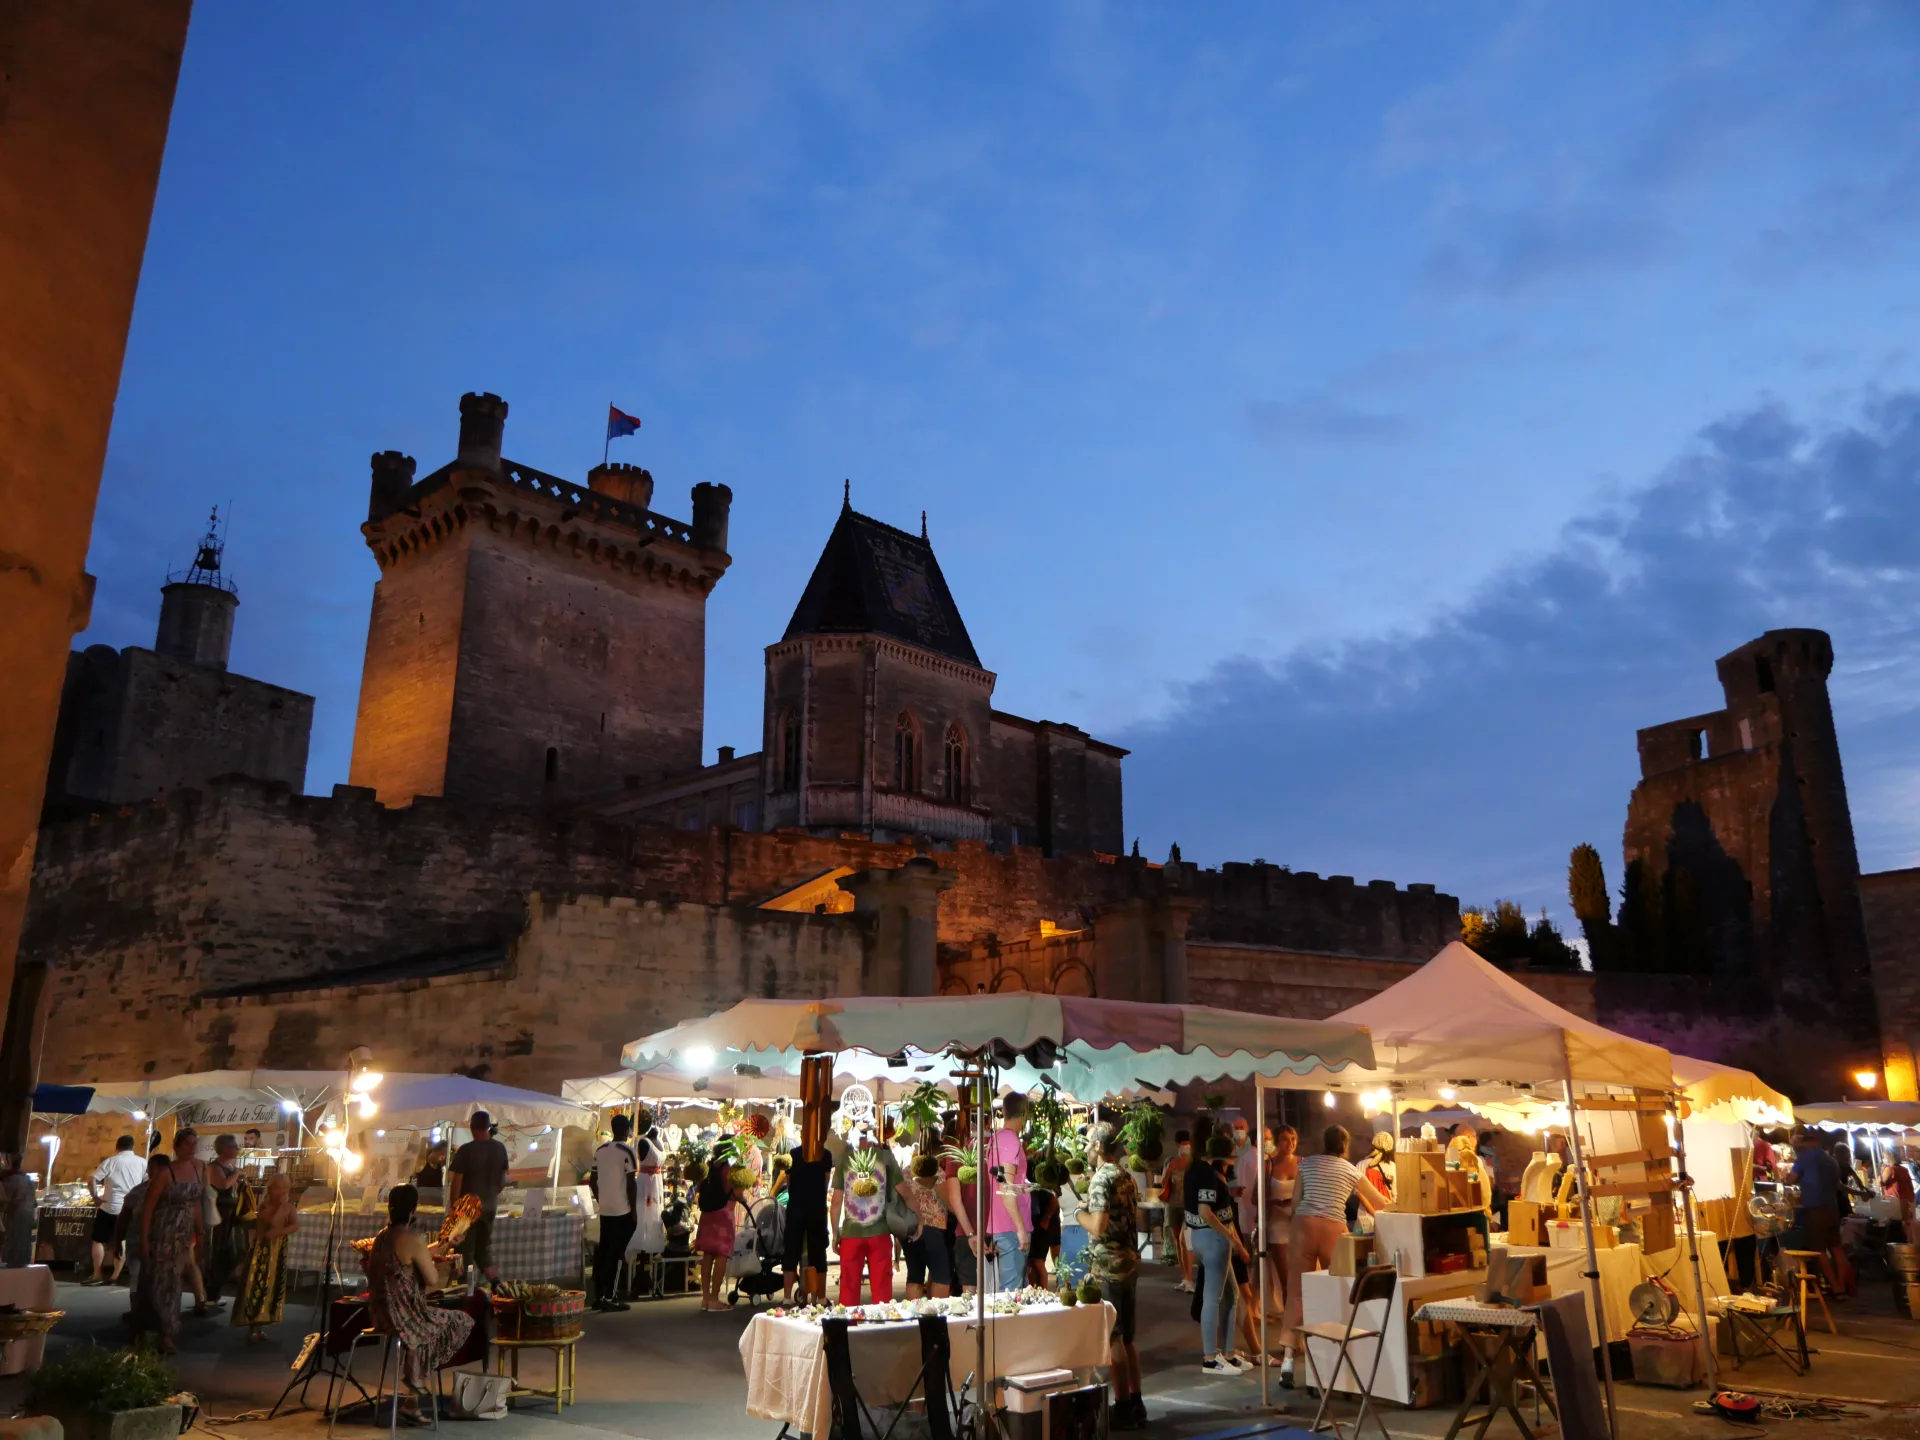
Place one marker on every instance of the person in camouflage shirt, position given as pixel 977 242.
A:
pixel 1112 1218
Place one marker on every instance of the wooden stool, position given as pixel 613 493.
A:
pixel 565 1367
pixel 1806 1279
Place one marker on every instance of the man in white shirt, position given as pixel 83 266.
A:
pixel 615 1182
pixel 112 1179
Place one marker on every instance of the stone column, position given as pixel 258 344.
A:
pixel 1140 949
pixel 905 904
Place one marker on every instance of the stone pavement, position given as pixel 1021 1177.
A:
pixel 664 1371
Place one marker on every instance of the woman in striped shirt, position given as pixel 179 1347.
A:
pixel 1319 1219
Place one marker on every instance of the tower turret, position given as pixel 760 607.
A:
pixel 483 427
pixel 392 478
pixel 197 605
pixel 711 506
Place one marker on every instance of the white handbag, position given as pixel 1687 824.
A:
pixel 478 1397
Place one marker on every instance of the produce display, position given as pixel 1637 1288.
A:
pixel 954 1307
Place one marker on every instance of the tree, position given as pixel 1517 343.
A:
pixel 1643 939
pixel 1587 890
pixel 1501 936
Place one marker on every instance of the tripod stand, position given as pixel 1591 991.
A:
pixel 313 1357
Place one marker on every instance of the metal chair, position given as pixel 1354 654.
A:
pixel 393 1350
pixel 1376 1282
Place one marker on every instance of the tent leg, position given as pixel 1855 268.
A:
pixel 1593 1259
pixel 1693 1249
pixel 1264 1240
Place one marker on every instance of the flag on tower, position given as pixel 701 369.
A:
pixel 620 423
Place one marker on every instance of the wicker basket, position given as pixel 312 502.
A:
pixel 25 1324
pixel 553 1319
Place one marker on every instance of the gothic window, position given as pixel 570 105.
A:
pixel 789 750
pixel 957 786
pixel 906 752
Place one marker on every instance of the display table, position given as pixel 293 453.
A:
pixel 28 1288
pixel 1323 1299
pixel 787 1369
pixel 1624 1266
pixel 544 1249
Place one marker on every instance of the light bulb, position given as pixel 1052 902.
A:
pixel 701 1057
pixel 139 1114
pixel 367 1108
pixel 350 1161
pixel 1866 1079
pixel 379 1134
pixel 291 1107
pixel 1447 1092
pixel 367 1080
pixel 1327 1100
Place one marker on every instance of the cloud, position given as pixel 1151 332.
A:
pixel 1504 253
pixel 1476 752
pixel 1321 418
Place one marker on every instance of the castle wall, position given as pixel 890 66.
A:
pixel 240 882
pixel 1891 900
pixel 134 724
pixel 1312 986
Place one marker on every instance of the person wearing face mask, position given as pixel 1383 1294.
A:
pixel 1246 1201
pixel 1173 1186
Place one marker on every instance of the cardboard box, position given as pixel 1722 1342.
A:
pixel 1526 1225
pixel 1677 1363
pixel 1351 1254
pixel 1434 1379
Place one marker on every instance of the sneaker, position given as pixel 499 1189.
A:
pixel 1241 1362
pixel 1219 1365
pixel 1286 1373
pixel 1185 1286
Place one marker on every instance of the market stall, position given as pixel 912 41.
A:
pixel 1083 1046
pixel 1459 1030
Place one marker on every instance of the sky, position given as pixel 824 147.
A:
pixel 1370 415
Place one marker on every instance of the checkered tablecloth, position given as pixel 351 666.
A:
pixel 543 1249
pixel 1472 1312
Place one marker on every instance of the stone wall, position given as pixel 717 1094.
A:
pixel 1312 985
pixel 1891 900
pixel 134 723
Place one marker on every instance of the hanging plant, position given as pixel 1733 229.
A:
pixel 863 1167
pixel 1142 1133
pixel 967 1168
pixel 921 1113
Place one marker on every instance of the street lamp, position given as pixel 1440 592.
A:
pixel 1867 1079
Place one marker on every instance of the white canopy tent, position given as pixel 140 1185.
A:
pixel 1864 1114
pixel 1726 1093
pixel 1458 1029
pixel 153 1100
pixel 1089 1047
pixel 415 1101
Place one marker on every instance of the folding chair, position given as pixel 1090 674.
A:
pixel 1376 1282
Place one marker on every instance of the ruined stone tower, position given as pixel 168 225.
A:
pixel 1749 802
pixel 532 640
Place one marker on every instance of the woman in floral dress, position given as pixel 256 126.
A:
pixel 263 1287
pixel 400 1268
pixel 169 1225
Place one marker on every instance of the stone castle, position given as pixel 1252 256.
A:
pixel 532 865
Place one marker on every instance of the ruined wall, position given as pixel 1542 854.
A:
pixel 134 723
pixel 585 975
pixel 1891 900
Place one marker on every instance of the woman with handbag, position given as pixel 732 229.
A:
pixel 929 1261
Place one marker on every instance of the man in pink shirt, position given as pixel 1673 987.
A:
pixel 1009 1218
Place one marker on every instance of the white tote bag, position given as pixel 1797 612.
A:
pixel 478 1397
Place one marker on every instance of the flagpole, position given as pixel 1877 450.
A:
pixel 607 448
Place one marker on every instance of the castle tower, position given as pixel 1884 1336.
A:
pixel 533 640
pixel 1751 804
pixel 197 605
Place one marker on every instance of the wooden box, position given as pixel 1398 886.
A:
pixel 1525 1223
pixel 1351 1253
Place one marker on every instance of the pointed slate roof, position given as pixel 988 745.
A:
pixel 875 580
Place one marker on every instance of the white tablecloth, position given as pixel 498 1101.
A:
pixel 787 1369
pixel 31 1288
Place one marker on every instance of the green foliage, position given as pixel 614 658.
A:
pixel 1501 936
pixel 1641 927
pixel 1142 1133
pixel 1050 1133
pixel 92 1378
pixel 920 1114
pixel 1587 888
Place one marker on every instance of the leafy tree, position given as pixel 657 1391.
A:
pixel 1501 936
pixel 1587 890
pixel 1643 948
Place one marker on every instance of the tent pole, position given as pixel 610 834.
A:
pixel 1693 1249
pixel 1263 1239
pixel 1593 1257
pixel 982 1178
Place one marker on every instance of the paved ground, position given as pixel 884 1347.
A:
pixel 664 1371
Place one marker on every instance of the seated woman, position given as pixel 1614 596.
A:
pixel 400 1269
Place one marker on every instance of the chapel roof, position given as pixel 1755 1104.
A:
pixel 872 579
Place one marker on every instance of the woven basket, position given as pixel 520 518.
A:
pixel 24 1324
pixel 553 1319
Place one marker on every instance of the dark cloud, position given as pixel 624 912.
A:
pixel 1478 751
pixel 1322 419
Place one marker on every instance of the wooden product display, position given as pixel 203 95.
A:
pixel 1640 1177
pixel 1423 1185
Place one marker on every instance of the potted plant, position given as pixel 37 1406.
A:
pixel 1141 1134
pixel 920 1116
pixel 99 1394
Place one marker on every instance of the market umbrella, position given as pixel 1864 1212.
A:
pixel 1724 1092
pixel 412 1100
pixel 1089 1047
pixel 1879 1114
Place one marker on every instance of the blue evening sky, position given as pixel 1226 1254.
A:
pixel 1370 414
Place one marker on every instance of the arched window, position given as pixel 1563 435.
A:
pixel 789 774
pixel 906 752
pixel 958 783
